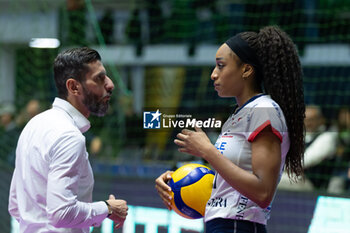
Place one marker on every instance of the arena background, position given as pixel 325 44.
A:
pixel 160 54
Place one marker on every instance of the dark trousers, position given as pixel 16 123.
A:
pixel 220 225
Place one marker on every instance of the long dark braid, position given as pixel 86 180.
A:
pixel 282 80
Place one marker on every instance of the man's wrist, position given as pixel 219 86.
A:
pixel 110 211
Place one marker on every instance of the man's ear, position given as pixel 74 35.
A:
pixel 73 86
pixel 248 71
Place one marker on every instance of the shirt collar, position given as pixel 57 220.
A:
pixel 79 119
pixel 237 109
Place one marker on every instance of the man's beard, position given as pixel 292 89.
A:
pixel 94 104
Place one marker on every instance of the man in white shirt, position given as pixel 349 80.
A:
pixel 320 148
pixel 51 188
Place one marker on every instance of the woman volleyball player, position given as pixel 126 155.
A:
pixel 263 136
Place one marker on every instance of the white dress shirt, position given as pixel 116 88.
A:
pixel 51 188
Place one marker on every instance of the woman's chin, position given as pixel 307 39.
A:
pixel 222 95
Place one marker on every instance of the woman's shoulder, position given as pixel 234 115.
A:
pixel 266 106
pixel 264 101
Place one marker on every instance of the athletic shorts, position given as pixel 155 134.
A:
pixel 221 225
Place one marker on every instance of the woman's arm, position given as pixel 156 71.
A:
pixel 258 186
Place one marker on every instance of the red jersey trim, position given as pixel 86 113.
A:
pixel 260 128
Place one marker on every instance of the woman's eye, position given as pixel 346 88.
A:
pixel 219 65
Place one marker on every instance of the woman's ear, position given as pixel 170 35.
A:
pixel 73 86
pixel 248 70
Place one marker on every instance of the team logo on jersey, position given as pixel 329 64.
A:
pixel 151 120
pixel 236 121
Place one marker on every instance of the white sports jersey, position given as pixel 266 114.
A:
pixel 234 142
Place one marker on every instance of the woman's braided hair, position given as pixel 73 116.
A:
pixel 282 80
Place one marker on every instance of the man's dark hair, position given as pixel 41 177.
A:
pixel 72 63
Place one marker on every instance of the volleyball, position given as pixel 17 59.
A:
pixel 191 187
